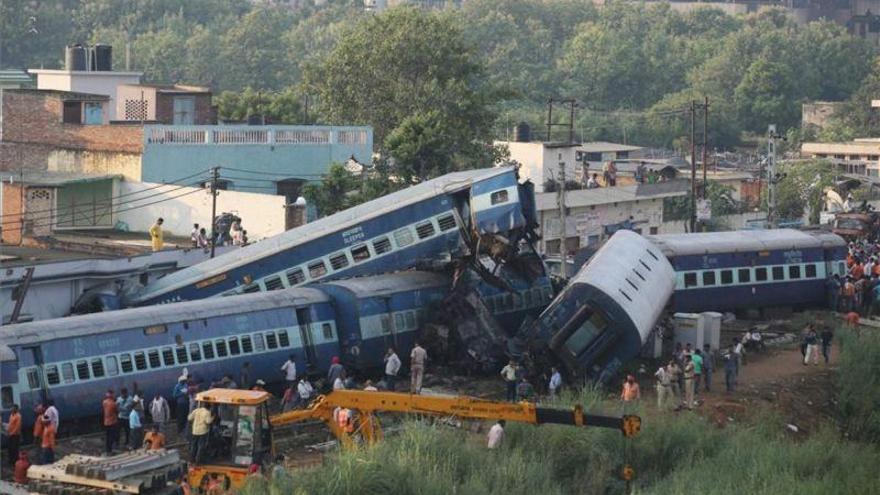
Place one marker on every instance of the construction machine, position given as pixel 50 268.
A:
pixel 242 434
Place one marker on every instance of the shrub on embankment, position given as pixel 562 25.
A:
pixel 858 383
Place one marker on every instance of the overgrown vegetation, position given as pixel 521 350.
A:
pixel 680 453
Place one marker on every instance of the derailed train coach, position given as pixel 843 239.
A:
pixel 468 213
pixel 605 314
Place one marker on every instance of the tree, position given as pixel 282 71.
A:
pixel 803 188
pixel 410 75
pixel 335 192
pixel 278 107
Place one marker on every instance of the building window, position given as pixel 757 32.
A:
pixel 327 330
pixel 154 359
pixel 52 376
pixel 94 114
pixel 221 348
pixel 195 354
pixel 168 356
pixel 246 344
pixel 652 231
pixel 208 350
pixel 283 340
pixel 271 341
pixel 234 347
pixel 97 368
pixel 82 370
pixel 794 272
pixel 135 110
pixel 181 355
pixel 184 110
pixel 140 361
pixel 72 112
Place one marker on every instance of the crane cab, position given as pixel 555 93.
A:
pixel 240 437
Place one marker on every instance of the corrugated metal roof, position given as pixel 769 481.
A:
pixel 608 195
pixel 51 179
pixel 337 222
pixel 742 241
pixel 390 283
pixel 84 325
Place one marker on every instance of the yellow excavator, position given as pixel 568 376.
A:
pixel 242 434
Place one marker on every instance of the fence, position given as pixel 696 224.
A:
pixel 269 136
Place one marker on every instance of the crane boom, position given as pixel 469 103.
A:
pixel 367 404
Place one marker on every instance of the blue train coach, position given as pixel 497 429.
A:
pixel 751 268
pixel 603 317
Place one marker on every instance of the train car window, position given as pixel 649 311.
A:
pixel 360 253
pixel 745 275
pixel 810 271
pixel 52 376
pixel 778 273
pixel 499 197
pixel 182 357
pixel 317 269
pixel 33 377
pixel 154 359
pixel 381 245
pixel 246 344
pixel 252 288
pixel 690 279
pixel 709 278
pixel 295 277
pixel 403 237
pixel 67 372
pixel 446 222
pixel 112 366
pixel 398 322
pixel 283 339
pixel 410 319
pixel 97 367
pixel 327 330
pixel 338 261
pixel 6 399
pixel 271 341
pixel 140 360
pixel 726 277
pixel 258 342
pixel 125 363
pixel 221 348
pixel 195 353
pixel 234 346
pixel 425 230
pixel 794 272
pixel 82 370
pixel 760 274
pixel 273 283
pixel 207 350
pixel 168 356
pixel 386 323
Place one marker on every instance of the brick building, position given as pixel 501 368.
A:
pixel 167 104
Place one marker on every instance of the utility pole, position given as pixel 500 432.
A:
pixel 693 168
pixel 215 175
pixel 563 229
pixel 549 117
pixel 772 178
pixel 705 143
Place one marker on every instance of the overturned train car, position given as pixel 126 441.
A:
pixel 603 317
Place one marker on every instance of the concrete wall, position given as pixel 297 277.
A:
pixel 732 222
pixel 303 152
pixel 11 211
pixel 99 83
pixel 262 214
pixel 125 93
pixel 96 162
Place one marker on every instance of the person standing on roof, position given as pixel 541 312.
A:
pixel 13 435
pixel 289 370
pixel 392 367
pixel 156 236
pixel 418 357
pixel 194 236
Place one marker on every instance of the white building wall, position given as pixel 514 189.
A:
pixel 539 162
pixel 94 82
pixel 588 223
pixel 262 215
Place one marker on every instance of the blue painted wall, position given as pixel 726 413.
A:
pixel 302 152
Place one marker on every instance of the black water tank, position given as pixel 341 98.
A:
pixel 523 132
pixel 103 57
pixel 75 57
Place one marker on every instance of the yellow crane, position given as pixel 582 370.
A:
pixel 243 427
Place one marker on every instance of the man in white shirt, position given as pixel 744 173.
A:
pixel 496 434
pixel 52 412
pixel 417 359
pixel 392 366
pixel 555 381
pixel 509 373
pixel 304 392
pixel 160 412
pixel 194 235
pixel 289 369
pixel 664 386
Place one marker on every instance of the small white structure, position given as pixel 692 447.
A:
pixel 92 82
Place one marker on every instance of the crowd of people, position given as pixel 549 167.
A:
pixel 199 238
pixel 642 175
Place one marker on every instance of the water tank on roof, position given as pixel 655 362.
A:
pixel 75 57
pixel 103 57
pixel 523 132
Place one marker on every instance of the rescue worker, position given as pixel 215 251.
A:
pixel 21 469
pixel 289 370
pixel 630 390
pixel 39 410
pixel 689 378
pixel 201 425
pixel 304 392
pixel 555 381
pixel 13 435
pixel 156 236
pixel 336 371
pixel 418 357
pixel 181 403
pixel 664 387
pixel 111 422
pixel 155 438
pixel 47 443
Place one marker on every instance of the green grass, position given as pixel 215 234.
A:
pixel 675 454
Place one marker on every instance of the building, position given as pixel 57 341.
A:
pixel 166 104
pixel 595 214
pixel 14 79
pixel 91 82
pixel 860 156
pixel 540 160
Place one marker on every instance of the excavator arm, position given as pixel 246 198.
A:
pixel 367 404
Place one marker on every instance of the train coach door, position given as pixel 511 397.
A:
pixel 304 319
pixel 388 329
pixel 32 362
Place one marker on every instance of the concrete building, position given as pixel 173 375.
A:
pixel 93 82
pixel 860 156
pixel 14 79
pixel 166 104
pixel 540 160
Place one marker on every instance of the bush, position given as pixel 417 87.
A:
pixel 858 380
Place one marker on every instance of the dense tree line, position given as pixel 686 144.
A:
pixel 438 86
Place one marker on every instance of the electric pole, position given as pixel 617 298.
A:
pixel 705 143
pixel 771 175
pixel 215 175
pixel 563 228
pixel 693 167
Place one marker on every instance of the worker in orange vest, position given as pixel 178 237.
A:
pixel 13 434
pixel 21 468
pixel 47 446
